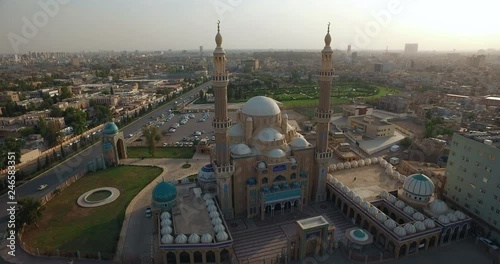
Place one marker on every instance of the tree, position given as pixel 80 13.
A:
pixel 30 211
pixel 47 161
pixel 10 145
pixel 112 91
pixel 406 142
pixel 65 93
pixel 62 152
pixel 76 118
pixel 103 114
pixel 152 138
pixel 38 165
pixel 56 112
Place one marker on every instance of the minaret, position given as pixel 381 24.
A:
pixel 222 123
pixel 322 115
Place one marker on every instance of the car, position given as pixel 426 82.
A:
pixel 165 144
pixel 130 135
pixel 213 138
pixel 148 212
pixel 43 186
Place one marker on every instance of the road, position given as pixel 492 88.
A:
pixel 68 168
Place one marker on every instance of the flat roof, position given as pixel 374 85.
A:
pixel 312 222
pixel 190 215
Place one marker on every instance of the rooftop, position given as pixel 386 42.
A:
pixel 190 215
pixel 491 138
pixel 312 222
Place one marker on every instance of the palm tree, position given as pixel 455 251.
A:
pixel 152 138
pixel 30 211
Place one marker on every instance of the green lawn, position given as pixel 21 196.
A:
pixel 69 227
pixel 161 152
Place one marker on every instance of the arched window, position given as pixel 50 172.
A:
pixel 264 180
pixel 293 176
pixel 279 178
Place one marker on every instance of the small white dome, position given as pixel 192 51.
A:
pixel 167 239
pixel 438 207
pixel 357 199
pixel 276 153
pixel 402 178
pixel 222 236
pixel 381 217
pixel 400 231
pixel 452 217
pixel 391 198
pixel 375 161
pixel 460 215
pixel 214 214
pixel 354 164
pixel 340 166
pixel 209 202
pixel 419 226
pixel 181 239
pixel 166 222
pixel 389 171
pixel 236 130
pixel 207 196
pixel 334 181
pixel 194 239
pixel 165 215
pixel 418 216
pixel 351 194
pixel 329 178
pixel 388 165
pixel 429 223
pixel 345 189
pixel 380 159
pixel 299 142
pixel 269 134
pixel 361 163
pixel 395 174
pixel 410 229
pixel 333 167
pixel 241 150
pixel 293 160
pixel 219 228
pixel 206 238
pixel 365 205
pixel 347 165
pixel 373 211
pixel 400 204
pixel 389 223
pixel 166 230
pixel 409 210
pixel 339 185
pixel 261 165
pixel 368 161
pixel 443 219
pixel 211 208
pixel 216 221
pixel 383 163
pixel 384 194
pixel 261 106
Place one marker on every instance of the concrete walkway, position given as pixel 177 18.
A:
pixel 135 241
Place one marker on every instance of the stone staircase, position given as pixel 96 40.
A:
pixel 255 245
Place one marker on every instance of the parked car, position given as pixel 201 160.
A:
pixel 148 212
pixel 41 187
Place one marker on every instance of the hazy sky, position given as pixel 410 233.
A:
pixel 93 25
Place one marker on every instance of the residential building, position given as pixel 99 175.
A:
pixel 371 126
pixel 9 96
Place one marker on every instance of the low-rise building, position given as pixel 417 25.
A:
pixel 371 126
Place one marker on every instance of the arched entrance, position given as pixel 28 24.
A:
pixel 171 257
pixel 432 242
pixel 446 236
pixel 210 256
pixel 224 256
pixel 413 247
pixel 185 258
pixel 456 231
pixel 197 257
pixel 402 251
pixel 463 232
pixel 120 148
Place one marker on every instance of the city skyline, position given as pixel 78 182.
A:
pixel 75 25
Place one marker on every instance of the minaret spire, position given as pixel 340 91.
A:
pixel 218 37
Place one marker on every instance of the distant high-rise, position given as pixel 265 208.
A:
pixel 349 49
pixel 354 56
pixel 201 51
pixel 476 61
pixel 411 47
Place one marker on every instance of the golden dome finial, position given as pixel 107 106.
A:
pixel 218 25
pixel 218 37
pixel 328 27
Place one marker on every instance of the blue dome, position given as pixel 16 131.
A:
pixel 110 129
pixel 207 174
pixel 164 192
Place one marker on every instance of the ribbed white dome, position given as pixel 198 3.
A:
pixel 222 236
pixel 299 142
pixel 419 225
pixel 443 219
pixel 340 166
pixel 419 184
pixel 236 130
pixel 214 214
pixel 207 196
pixel 209 202
pixel 400 231
pixel 418 216
pixel 332 167
pixel 339 185
pixel 391 198
pixel 194 239
pixel 219 228
pixel 361 163
pixel 375 160
pixel 383 163
pixel 241 150
pixel 460 215
pixel 211 208
pixel 410 229
pixel 351 194
pixel 166 230
pixel 269 134
pixel 167 239
pixel 452 217
pixel 293 160
pixel 347 165
pixel 409 210
pixel 260 106
pixel 165 215
pixel 388 165
pixel 384 194
pixel 400 204
pixel 373 211
pixel 329 178
pixel 354 164
pixel 429 223
pixel 276 153
pixel 389 223
pixel 365 205
pixel 181 239
pixel 381 217
pixel 166 222
pixel 206 238
pixel 389 171
pixel 357 199
pixel 345 189
pixel 438 207
pixel 368 161
pixel 216 221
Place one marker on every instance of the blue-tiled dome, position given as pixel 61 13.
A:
pixel 207 174
pixel 164 192
pixel 110 129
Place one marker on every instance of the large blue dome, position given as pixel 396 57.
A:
pixel 110 129
pixel 164 192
